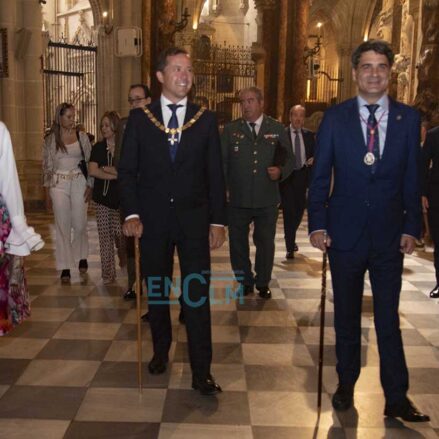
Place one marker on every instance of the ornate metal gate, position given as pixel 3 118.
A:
pixel 70 76
pixel 220 72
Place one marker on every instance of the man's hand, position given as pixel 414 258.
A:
pixel 407 244
pixel 217 236
pixel 310 161
pixel 87 194
pixel 274 172
pixel 320 240
pixel 425 204
pixel 133 227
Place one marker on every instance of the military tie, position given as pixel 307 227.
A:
pixel 173 124
pixel 297 150
pixel 372 131
pixel 253 125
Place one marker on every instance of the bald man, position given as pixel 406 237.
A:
pixel 293 189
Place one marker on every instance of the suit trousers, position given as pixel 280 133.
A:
pixel 157 267
pixel 70 211
pixel 264 222
pixel 385 272
pixel 293 194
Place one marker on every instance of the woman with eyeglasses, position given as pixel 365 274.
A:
pixel 106 198
pixel 66 153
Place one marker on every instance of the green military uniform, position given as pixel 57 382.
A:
pixel 253 196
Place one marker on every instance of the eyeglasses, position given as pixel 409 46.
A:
pixel 135 100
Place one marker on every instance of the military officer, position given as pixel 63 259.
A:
pixel 256 157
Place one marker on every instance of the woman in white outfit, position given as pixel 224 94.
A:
pixel 67 189
pixel 17 239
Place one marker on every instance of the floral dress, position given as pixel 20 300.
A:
pixel 14 295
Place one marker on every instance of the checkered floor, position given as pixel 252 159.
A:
pixel 71 371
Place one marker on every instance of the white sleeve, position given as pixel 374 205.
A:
pixel 22 238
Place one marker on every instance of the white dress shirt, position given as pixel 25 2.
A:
pixel 167 113
pixel 257 122
pixel 381 115
pixel 302 144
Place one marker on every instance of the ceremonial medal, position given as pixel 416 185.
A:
pixel 369 159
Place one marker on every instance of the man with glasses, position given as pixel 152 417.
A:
pixel 139 96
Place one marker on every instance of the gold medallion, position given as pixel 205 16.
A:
pixel 369 159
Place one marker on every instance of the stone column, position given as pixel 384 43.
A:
pixel 21 96
pixel 427 99
pixel 147 38
pixel 295 72
pixel 347 87
pixel 269 9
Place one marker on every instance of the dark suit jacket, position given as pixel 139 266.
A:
pixel 194 184
pixel 309 141
pixel 388 202
pixel 430 167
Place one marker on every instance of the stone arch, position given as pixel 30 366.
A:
pixel 97 9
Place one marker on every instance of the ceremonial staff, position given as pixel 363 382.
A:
pixel 322 330
pixel 138 289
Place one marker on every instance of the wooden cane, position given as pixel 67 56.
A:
pixel 322 330
pixel 138 290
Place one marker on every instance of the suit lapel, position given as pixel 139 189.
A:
pixel 391 132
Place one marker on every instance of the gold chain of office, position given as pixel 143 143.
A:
pixel 173 131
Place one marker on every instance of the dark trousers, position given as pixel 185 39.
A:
pixel 385 271
pixel 293 194
pixel 264 223
pixel 157 267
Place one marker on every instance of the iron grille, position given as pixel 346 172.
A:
pixel 220 73
pixel 70 76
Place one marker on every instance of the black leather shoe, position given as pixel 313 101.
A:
pixel 343 398
pixel 296 248
pixel 83 266
pixel 406 411
pixel 289 255
pixel 264 292
pixel 145 317
pixel 65 276
pixel 157 366
pixel 206 386
pixel 129 294
pixel 434 293
pixel 247 289
pixel 181 317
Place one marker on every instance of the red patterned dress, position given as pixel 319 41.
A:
pixel 14 295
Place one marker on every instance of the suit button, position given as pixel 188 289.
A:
pixel 254 171
pixel 255 161
pixel 255 152
pixel 367 203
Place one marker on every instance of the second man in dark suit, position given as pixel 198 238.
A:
pixel 293 189
pixel 173 194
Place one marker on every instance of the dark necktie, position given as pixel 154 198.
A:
pixel 372 131
pixel 297 150
pixel 173 124
pixel 253 125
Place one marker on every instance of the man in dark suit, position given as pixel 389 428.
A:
pixel 173 194
pixel 293 189
pixel 371 146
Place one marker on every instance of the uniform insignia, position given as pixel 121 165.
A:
pixel 236 149
pixel 271 136
pixel 399 117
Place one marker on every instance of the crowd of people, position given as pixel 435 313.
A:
pixel 167 176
